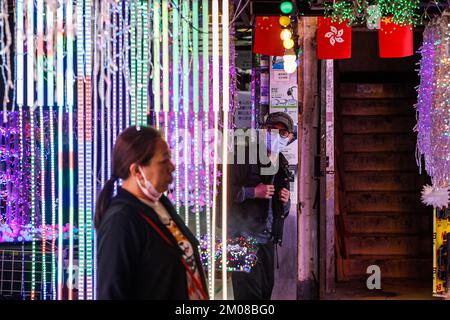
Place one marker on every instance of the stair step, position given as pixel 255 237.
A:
pixel 382 181
pixel 380 201
pixel 390 266
pixel 377 124
pixel 361 224
pixel 380 161
pixel 426 212
pixel 389 244
pixel 379 142
pixel 377 90
pixel 376 107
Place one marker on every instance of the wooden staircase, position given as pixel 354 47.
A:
pixel 383 220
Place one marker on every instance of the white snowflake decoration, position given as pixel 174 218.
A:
pixel 435 196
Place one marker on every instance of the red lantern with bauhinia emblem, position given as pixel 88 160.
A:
pixel 267 39
pixel 395 40
pixel 334 39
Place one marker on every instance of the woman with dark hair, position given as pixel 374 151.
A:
pixel 145 251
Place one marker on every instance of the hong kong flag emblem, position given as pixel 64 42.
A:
pixel 334 39
pixel 395 41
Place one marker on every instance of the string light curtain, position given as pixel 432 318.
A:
pixel 97 67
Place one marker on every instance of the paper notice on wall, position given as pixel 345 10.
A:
pixel 243 114
pixel 284 97
pixel 283 89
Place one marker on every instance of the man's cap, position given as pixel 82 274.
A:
pixel 281 117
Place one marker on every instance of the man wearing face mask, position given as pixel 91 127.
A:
pixel 259 203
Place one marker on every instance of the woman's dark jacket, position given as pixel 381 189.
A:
pixel 134 262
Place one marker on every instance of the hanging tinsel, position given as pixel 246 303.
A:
pixel 433 107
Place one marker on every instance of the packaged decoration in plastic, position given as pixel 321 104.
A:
pixel 241 253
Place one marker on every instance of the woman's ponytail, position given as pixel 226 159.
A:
pixel 103 201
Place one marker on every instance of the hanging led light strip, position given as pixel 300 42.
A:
pixel 40 103
pixel 196 165
pixel 30 105
pixel 205 91
pixel 134 91
pixel 19 51
pixel 101 89
pixel 93 69
pixel 156 60
pixel 114 26
pixel 129 48
pixel 30 52
pixel 60 103
pixel 81 148
pixel 50 102
pixel 216 108
pixel 120 69
pixel 19 80
pixel 139 50
pixel 40 53
pixel 196 104
pixel 70 105
pixel 88 153
pixel 144 63
pixel 176 95
pixel 187 156
pixel 90 183
pixel 225 107
pixel 165 64
pixel 109 84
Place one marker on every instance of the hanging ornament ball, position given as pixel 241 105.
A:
pixel 286 7
pixel 284 21
pixel 290 66
pixel 288 44
pixel 285 34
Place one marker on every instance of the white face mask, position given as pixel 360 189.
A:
pixel 148 189
pixel 275 143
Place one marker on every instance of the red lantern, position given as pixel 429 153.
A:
pixel 267 39
pixel 395 41
pixel 334 39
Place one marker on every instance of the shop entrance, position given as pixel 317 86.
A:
pixel 381 220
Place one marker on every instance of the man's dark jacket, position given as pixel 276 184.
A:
pixel 250 216
pixel 134 262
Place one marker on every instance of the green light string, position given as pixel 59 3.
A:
pixel 403 12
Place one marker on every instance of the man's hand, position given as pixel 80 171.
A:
pixel 284 195
pixel 264 191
